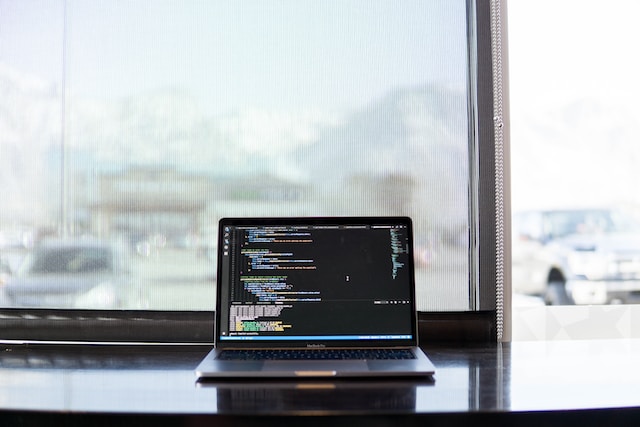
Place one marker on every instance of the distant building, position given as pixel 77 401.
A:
pixel 148 201
pixel 141 202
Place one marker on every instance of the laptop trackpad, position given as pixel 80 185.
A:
pixel 315 368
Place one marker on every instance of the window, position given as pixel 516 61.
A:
pixel 574 90
pixel 138 125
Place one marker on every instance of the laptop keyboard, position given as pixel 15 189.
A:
pixel 318 354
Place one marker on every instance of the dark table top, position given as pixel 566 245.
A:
pixel 578 378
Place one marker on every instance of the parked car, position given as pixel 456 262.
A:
pixel 83 273
pixel 579 256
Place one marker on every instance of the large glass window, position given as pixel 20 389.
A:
pixel 574 92
pixel 128 128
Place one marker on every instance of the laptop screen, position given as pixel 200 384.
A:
pixel 315 281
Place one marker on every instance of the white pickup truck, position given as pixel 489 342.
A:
pixel 579 256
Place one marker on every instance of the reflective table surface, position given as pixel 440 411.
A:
pixel 563 381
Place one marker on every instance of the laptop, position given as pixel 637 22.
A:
pixel 315 297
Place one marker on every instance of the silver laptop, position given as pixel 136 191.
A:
pixel 315 297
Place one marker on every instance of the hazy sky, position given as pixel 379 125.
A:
pixel 566 49
pixel 574 90
pixel 279 54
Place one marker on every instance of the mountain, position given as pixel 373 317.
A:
pixel 411 144
pixel 402 131
pixel 406 153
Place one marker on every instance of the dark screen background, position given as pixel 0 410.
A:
pixel 360 287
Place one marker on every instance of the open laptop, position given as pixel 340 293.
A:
pixel 315 297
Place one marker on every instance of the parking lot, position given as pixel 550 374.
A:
pixel 183 279
pixel 176 279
